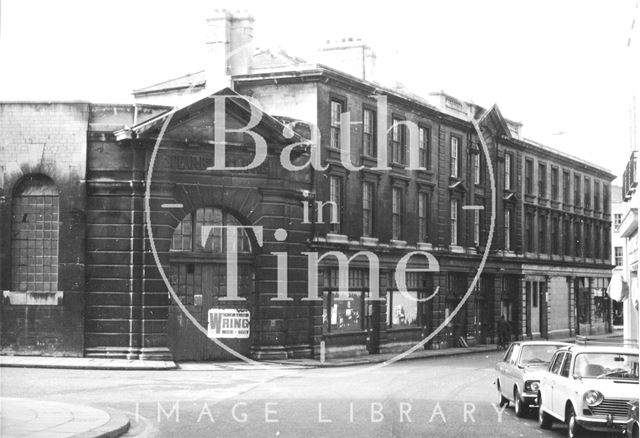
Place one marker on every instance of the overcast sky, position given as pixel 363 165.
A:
pixel 561 67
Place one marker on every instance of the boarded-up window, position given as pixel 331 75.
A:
pixel 34 236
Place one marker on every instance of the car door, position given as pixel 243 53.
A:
pixel 502 369
pixel 552 376
pixel 561 387
pixel 511 371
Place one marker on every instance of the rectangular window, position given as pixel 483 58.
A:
pixel 455 150
pixel 507 229
pixel 542 234
pixel 606 207
pixel 587 192
pixel 566 237
pixel 336 111
pixel 476 227
pixel 554 183
pixel 576 190
pixel 344 311
pixel 596 195
pixel 555 230
pixel 424 149
pixel 578 247
pixel 617 220
pixel 528 224
pixel 454 221
pixel 476 168
pixel 542 180
pixel 618 256
pixel 528 176
pixel 397 141
pixel 566 187
pixel 596 241
pixel 335 196
pixel 402 309
pixel 369 132
pixel 367 208
pixel 507 171
pixel 397 209
pixel 423 215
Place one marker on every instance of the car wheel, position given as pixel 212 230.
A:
pixel 502 400
pixel 573 428
pixel 545 421
pixel 519 406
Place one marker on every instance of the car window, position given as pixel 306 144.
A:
pixel 555 365
pixel 514 354
pixel 538 355
pixel 507 355
pixel 564 372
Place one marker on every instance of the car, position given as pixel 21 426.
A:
pixel 589 388
pixel 518 373
pixel 632 425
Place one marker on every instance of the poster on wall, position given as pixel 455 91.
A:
pixel 228 323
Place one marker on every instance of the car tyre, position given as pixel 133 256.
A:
pixel 545 421
pixel 519 406
pixel 574 430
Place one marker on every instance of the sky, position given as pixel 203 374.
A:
pixel 561 67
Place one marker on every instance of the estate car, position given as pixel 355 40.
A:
pixel 589 388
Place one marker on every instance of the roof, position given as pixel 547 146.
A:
pixel 543 343
pixel 196 79
pixel 601 349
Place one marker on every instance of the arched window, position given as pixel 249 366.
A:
pixel 34 236
pixel 188 234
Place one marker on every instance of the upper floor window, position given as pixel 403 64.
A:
pixel 576 190
pixel 587 192
pixel 542 180
pixel 335 197
pixel 455 152
pixel 476 227
pixel 606 207
pixel 528 224
pixel 596 195
pixel 566 237
pixel 34 235
pixel 618 255
pixel 566 187
pixel 528 176
pixel 202 231
pixel 476 168
pixel 454 221
pixel 367 208
pixel 507 171
pixel 542 234
pixel 555 235
pixel 507 229
pixel 554 183
pixel 336 112
pixel 424 149
pixel 617 220
pixel 398 141
pixel 397 212
pixel 423 217
pixel 369 132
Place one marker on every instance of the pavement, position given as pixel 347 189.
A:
pixel 26 418
pixel 32 418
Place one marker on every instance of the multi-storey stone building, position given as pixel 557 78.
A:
pixel 545 268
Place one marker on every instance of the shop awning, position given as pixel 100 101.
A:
pixel 618 288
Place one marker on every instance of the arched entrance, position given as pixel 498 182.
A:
pixel 198 275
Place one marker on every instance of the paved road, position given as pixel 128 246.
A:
pixel 444 397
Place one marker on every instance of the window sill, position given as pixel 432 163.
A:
pixel 33 298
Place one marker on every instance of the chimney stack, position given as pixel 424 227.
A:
pixel 229 43
pixel 350 55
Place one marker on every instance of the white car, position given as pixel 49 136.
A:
pixel 589 387
pixel 518 373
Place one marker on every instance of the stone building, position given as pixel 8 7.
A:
pixel 545 267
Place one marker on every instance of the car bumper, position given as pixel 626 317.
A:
pixel 530 398
pixel 599 424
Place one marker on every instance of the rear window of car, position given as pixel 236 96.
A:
pixel 537 354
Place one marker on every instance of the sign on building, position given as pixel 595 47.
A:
pixel 228 323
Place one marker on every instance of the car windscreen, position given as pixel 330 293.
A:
pixel 606 366
pixel 537 354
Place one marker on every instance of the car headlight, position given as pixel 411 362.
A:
pixel 532 385
pixel 593 398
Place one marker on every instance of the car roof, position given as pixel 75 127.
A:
pixel 524 343
pixel 600 349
